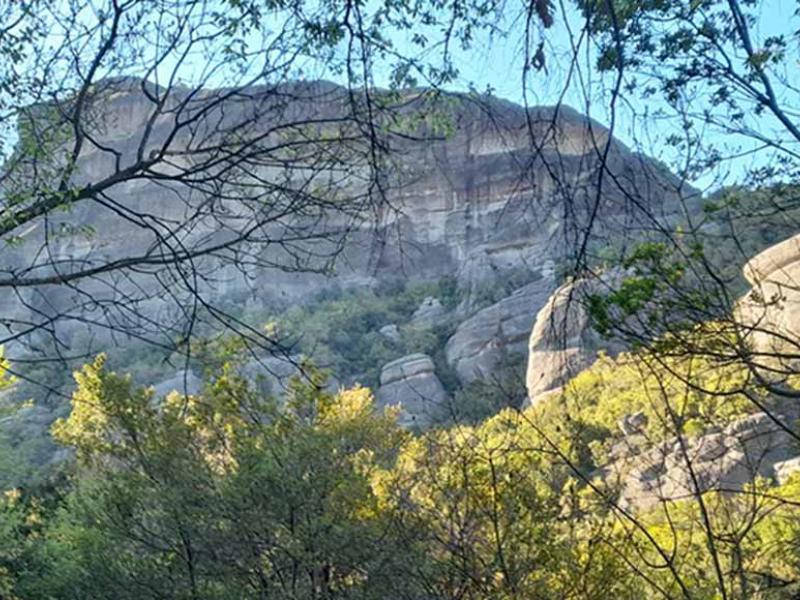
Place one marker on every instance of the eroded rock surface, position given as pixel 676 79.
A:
pixel 772 306
pixel 563 342
pixel 725 460
pixel 486 340
pixel 476 205
pixel 411 382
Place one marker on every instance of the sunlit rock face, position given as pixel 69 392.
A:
pixel 505 190
pixel 769 312
pixel 563 341
pixel 727 456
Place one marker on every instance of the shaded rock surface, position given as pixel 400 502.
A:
pixel 484 341
pixel 476 205
pixel 391 332
pixel 632 424
pixel 411 382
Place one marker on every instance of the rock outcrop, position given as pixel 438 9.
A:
pixel 412 383
pixel 726 460
pixel 772 306
pixel 391 332
pixel 429 313
pixel 785 469
pixel 476 206
pixel 486 340
pixel 563 342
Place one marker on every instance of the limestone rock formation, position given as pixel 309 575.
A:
pixel 412 383
pixel 484 341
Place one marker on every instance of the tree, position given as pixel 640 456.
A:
pixel 222 495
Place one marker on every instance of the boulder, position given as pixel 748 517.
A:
pixel 561 343
pixel 390 332
pixel 429 313
pixel 772 305
pixel 632 424
pixel 485 341
pixel 786 468
pixel 411 382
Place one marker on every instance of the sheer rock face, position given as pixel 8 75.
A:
pixel 561 343
pixel 485 341
pixel 476 205
pixel 411 382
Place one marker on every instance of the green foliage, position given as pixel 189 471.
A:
pixel 230 494
pixel 485 507
pixel 484 398
pixel 223 495
pixel 343 333
pixel 587 413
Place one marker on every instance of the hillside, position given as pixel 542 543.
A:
pixel 480 213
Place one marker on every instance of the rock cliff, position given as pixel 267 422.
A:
pixel 501 198
pixel 503 193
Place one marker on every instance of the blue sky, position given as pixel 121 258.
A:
pixel 497 64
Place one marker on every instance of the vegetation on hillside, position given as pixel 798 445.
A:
pixel 232 494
